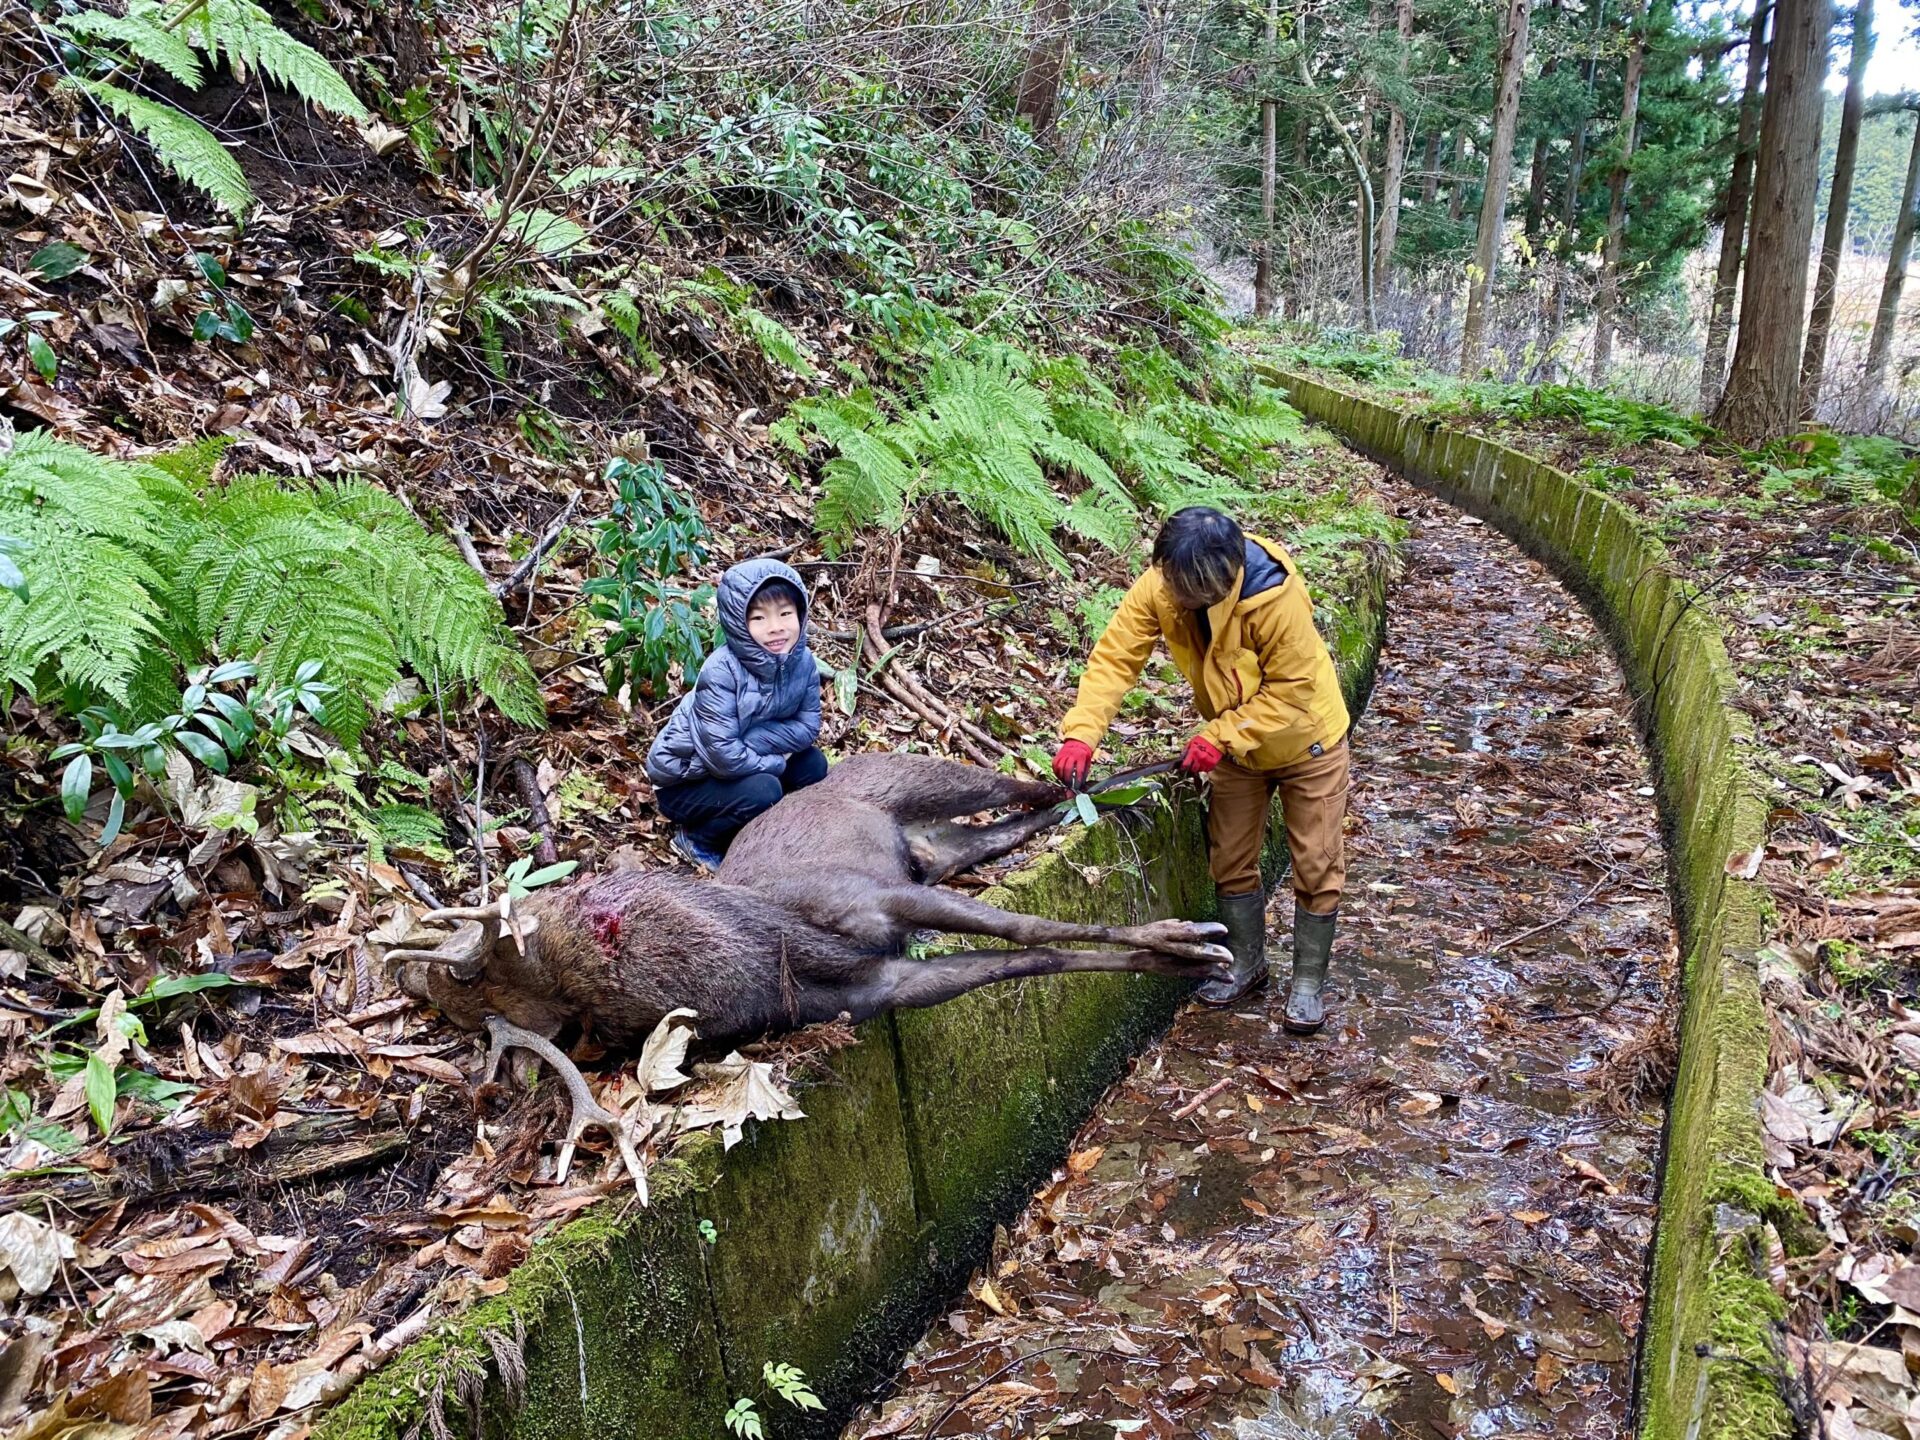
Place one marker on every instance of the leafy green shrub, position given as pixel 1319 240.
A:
pixel 1624 421
pixel 134 574
pixel 1358 358
pixel 979 432
pixel 229 725
pixel 1859 469
pixel 171 36
pixel 986 429
pixel 653 534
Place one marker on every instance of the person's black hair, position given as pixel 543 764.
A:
pixel 779 590
pixel 1200 550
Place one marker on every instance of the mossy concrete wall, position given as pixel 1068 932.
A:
pixel 836 1235
pixel 1705 1358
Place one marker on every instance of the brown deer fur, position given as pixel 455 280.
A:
pixel 806 920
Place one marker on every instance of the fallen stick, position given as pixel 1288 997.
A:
pixel 527 782
pixel 1205 1095
pixel 1560 919
pixel 549 537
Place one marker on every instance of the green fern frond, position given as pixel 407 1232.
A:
pixel 179 142
pixel 410 825
pixel 867 483
pixel 247 36
pixel 90 611
pixel 143 39
pixel 1104 520
pixel 779 344
pixel 133 573
pixel 623 313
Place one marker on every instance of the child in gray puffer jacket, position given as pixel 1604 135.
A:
pixel 749 732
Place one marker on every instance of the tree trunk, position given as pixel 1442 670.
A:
pixel 1430 169
pixel 1813 364
pixel 1046 66
pixel 1549 364
pixel 1606 315
pixel 1363 184
pixel 1269 164
pixel 1733 232
pixel 1888 315
pixel 1394 166
pixel 1762 400
pixel 1542 149
pixel 1537 191
pixel 1153 54
pixel 1493 203
pixel 1456 174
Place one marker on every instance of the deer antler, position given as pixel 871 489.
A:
pixel 476 928
pixel 504 1036
pixel 463 952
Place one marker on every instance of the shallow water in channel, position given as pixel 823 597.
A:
pixel 1431 1219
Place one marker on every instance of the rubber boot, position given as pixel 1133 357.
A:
pixel 1245 917
pixel 1312 949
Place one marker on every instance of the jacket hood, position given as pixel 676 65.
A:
pixel 737 589
pixel 1262 572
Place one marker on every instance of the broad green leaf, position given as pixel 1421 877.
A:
pixel 12 579
pixel 173 985
pixel 102 1089
pixel 75 785
pixel 1089 812
pixel 41 353
pixel 551 235
pixel 116 817
pixel 203 750
pixel 58 260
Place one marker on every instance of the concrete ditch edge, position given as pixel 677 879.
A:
pixel 1708 1360
pixel 834 1236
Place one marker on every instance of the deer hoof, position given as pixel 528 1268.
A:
pixel 1191 939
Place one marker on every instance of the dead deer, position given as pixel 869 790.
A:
pixel 807 920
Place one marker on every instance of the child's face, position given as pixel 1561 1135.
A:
pixel 773 623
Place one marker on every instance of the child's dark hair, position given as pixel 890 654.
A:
pixel 1200 550
pixel 777 590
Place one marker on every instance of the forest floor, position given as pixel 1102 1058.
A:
pixel 1434 1217
pixel 1815 581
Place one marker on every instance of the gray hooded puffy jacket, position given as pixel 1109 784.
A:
pixel 750 709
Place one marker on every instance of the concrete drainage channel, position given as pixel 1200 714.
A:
pixel 836 1236
pixel 1707 1364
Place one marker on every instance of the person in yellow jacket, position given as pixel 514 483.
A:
pixel 1236 617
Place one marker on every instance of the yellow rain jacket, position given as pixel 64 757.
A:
pixel 1266 684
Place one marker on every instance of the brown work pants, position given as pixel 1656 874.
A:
pixel 1313 805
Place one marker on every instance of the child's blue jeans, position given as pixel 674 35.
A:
pixel 712 810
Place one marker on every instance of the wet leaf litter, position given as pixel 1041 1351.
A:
pixel 1433 1218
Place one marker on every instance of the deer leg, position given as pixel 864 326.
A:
pixel 901 984
pixel 943 849
pixel 922 787
pixel 915 907
pixel 504 1036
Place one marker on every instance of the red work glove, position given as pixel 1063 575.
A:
pixel 1202 755
pixel 1071 762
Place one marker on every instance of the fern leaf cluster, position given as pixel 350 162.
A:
pixel 133 574
pixel 1035 448
pixel 180 143
pixel 159 33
